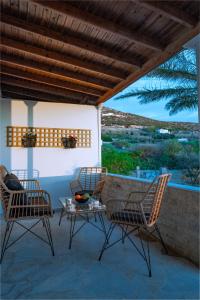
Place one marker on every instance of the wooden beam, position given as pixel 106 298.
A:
pixel 70 40
pixel 171 11
pixel 28 94
pixel 16 96
pixel 62 58
pixel 45 88
pixel 85 80
pixel 7 70
pixel 157 60
pixel 102 23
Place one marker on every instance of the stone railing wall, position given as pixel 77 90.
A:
pixel 179 216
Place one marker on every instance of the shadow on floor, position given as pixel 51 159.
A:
pixel 30 272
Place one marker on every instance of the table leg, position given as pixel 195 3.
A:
pixel 72 226
pixel 61 215
pixel 100 215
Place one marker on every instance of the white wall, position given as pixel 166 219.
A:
pixel 56 166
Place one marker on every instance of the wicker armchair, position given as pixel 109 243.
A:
pixel 139 213
pixel 30 202
pixel 90 180
pixel 87 179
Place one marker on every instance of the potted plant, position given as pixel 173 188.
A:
pixel 69 142
pixel 29 139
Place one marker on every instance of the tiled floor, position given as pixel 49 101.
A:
pixel 30 272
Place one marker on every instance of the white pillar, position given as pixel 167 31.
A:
pixel 99 108
pixel 30 164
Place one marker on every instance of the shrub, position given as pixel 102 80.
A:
pixel 188 161
pixel 106 138
pixel 116 161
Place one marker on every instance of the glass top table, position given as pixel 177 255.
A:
pixel 92 212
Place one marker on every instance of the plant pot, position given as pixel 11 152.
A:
pixel 72 144
pixel 29 142
pixel 68 143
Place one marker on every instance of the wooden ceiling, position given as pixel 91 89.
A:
pixel 87 51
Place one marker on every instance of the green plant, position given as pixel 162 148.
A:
pixel 116 161
pixel 176 82
pixel 106 137
pixel 188 161
pixel 29 139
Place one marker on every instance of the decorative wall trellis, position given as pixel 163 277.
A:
pixel 48 137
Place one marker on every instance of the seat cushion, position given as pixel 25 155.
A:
pixel 12 182
pixel 128 217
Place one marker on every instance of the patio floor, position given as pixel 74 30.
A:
pixel 30 272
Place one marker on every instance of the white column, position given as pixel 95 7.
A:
pixel 30 105
pixel 99 108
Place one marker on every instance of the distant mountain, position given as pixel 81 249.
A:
pixel 112 117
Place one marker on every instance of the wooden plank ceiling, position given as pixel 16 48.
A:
pixel 87 51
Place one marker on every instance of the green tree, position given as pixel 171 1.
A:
pixel 170 149
pixel 117 162
pixel 188 161
pixel 175 81
pixel 106 138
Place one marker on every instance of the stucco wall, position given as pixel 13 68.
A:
pixel 179 216
pixel 56 166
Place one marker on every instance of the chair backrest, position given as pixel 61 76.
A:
pixel 24 174
pixel 4 191
pixel 90 176
pixel 153 198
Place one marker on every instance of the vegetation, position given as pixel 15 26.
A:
pixel 106 138
pixel 170 154
pixel 188 161
pixel 116 161
pixel 147 147
pixel 176 82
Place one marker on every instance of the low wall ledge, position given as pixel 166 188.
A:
pixel 173 185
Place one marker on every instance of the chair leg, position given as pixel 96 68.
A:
pixel 161 239
pixel 108 235
pixel 49 226
pixel 9 227
pixel 95 217
pixel 146 254
pixel 124 234
pixel 149 259
pixel 48 232
pixel 61 215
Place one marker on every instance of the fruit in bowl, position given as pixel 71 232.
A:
pixel 82 197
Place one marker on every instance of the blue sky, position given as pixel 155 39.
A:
pixel 153 110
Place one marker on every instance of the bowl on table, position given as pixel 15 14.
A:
pixel 82 197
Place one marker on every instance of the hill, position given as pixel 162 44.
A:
pixel 112 117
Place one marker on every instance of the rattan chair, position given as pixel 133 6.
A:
pixel 139 213
pixel 87 179
pixel 90 180
pixel 30 202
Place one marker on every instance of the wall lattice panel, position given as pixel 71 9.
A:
pixel 48 137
